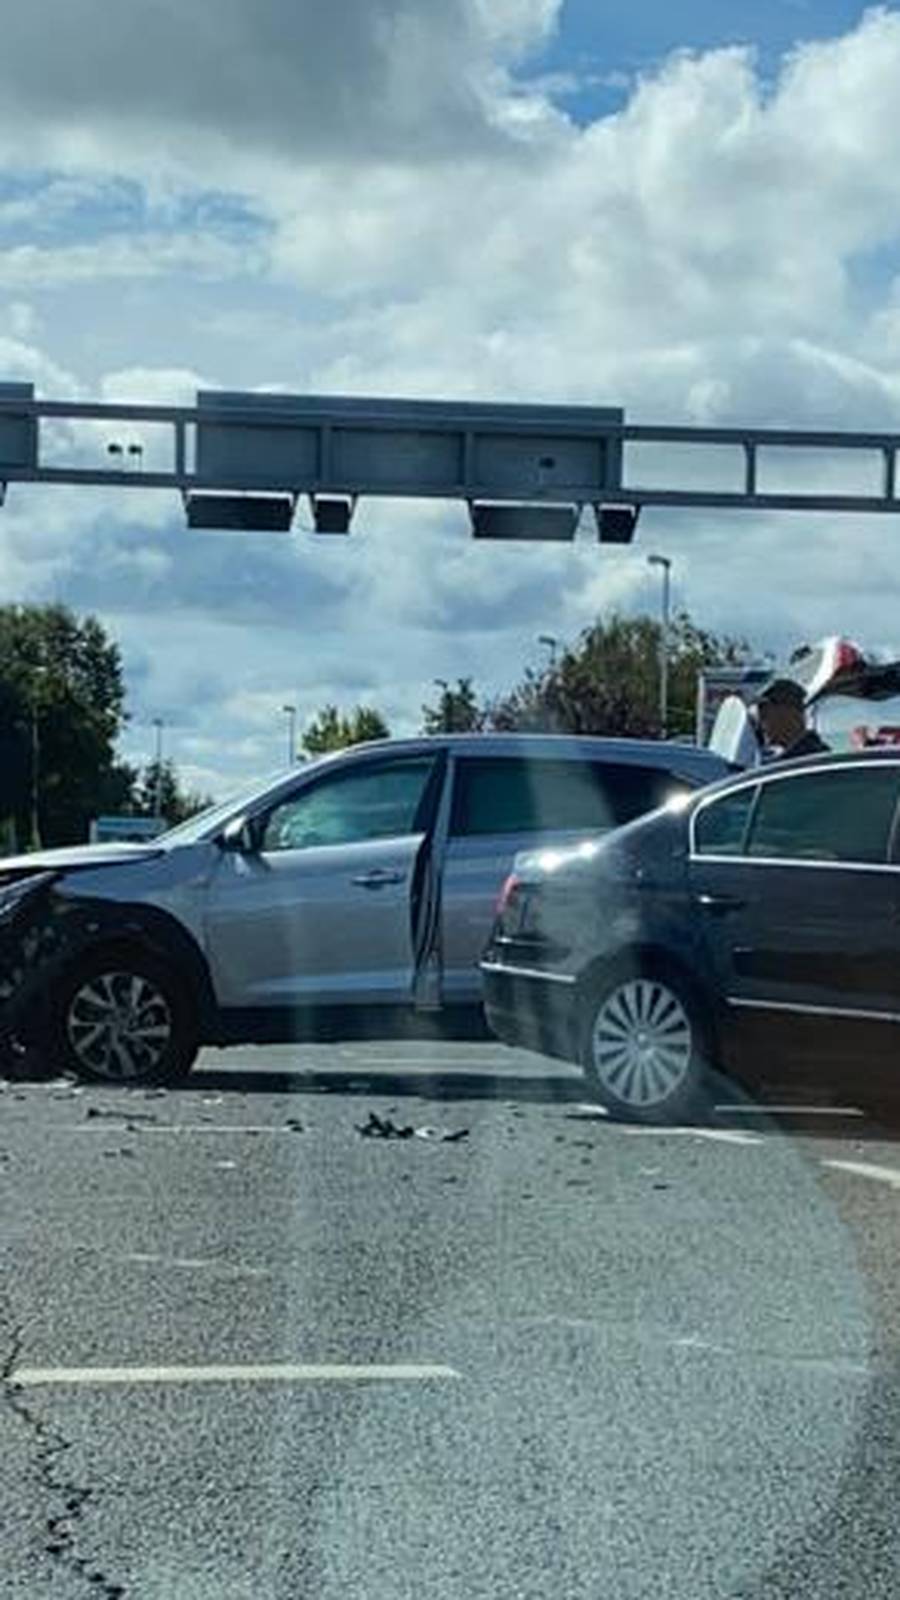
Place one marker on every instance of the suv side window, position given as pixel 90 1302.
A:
pixel 506 794
pixel 840 815
pixel 720 827
pixel 377 802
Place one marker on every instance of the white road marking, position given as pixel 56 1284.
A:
pixel 791 1111
pixel 718 1135
pixel 866 1169
pixel 187 1264
pixel 283 1372
pixel 837 1366
pixel 401 1063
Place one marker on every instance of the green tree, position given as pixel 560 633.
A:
pixel 174 803
pixel 457 710
pixel 608 681
pixel 62 707
pixel 332 729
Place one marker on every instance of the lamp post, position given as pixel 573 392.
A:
pixel 39 675
pixel 158 724
pixel 665 566
pixel 291 713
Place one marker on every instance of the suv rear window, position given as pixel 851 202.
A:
pixel 510 795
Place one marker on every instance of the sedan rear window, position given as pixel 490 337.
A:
pixel 503 795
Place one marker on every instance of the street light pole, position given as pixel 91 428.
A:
pixel 39 674
pixel 665 566
pixel 35 775
pixel 291 714
pixel 158 773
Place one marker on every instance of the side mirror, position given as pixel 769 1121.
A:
pixel 239 836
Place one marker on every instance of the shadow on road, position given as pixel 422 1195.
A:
pixel 816 1105
pixel 420 1085
pixel 821 1110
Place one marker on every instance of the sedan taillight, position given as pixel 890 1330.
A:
pixel 510 886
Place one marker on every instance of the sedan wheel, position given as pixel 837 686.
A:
pixel 641 1050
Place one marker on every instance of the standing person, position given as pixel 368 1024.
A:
pixel 781 713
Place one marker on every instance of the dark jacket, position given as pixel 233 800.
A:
pixel 809 744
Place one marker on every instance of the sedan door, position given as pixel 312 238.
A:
pixel 798 903
pixel 326 909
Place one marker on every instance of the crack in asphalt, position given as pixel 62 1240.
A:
pixel 62 1529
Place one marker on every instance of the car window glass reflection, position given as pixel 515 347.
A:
pixel 720 828
pixel 381 804
pixel 827 816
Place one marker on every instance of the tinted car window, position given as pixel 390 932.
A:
pixel 827 816
pixel 348 808
pixel 512 796
pixel 720 828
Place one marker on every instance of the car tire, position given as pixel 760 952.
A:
pixel 643 1048
pixel 123 1017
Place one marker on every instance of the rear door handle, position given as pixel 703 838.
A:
pixel 378 878
pixel 720 904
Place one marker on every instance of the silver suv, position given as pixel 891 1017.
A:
pixel 345 896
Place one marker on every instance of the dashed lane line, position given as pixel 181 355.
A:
pixel 790 1111
pixel 716 1135
pixel 282 1372
pixel 867 1169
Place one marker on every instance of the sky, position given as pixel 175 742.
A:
pixel 691 211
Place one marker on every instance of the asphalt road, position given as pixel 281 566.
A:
pixel 249 1350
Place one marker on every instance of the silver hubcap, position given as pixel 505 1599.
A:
pixel 119 1025
pixel 642 1043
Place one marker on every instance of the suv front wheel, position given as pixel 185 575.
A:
pixel 642 1049
pixel 123 1017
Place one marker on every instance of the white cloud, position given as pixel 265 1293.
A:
pixel 172 87
pixel 152 255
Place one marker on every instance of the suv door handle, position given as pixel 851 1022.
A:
pixel 378 878
pixel 721 904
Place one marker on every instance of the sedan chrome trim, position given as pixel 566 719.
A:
pixel 796 861
pixel 851 1013
pixel 527 972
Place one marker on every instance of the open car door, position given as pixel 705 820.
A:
pixel 837 666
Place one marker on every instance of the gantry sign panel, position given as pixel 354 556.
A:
pixel 229 451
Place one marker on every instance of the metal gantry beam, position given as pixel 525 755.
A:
pixel 336 449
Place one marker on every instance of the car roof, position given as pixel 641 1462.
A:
pixel 568 746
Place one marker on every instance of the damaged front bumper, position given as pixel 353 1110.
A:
pixel 33 937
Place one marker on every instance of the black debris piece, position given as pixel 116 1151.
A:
pixel 383 1128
